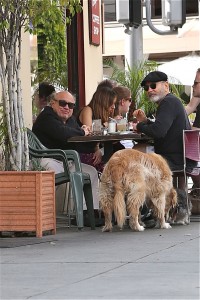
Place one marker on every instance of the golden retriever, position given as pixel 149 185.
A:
pixel 136 176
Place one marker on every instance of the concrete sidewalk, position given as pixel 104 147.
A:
pixel 154 264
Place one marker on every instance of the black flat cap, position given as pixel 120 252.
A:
pixel 154 76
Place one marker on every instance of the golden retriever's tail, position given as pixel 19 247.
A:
pixel 119 207
pixel 113 174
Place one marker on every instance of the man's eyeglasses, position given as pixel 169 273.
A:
pixel 151 85
pixel 63 103
pixel 196 82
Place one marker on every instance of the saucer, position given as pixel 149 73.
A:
pixel 125 132
pixel 116 132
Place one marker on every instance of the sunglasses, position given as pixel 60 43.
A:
pixel 63 103
pixel 151 85
pixel 196 82
pixel 128 99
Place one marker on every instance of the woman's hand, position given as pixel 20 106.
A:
pixel 87 129
pixel 97 157
pixel 105 124
pixel 118 117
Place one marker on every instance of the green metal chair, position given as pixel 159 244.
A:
pixel 80 182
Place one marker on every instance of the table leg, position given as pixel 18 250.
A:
pixel 108 150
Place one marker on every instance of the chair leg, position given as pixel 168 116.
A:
pixel 66 198
pixel 181 182
pixel 78 188
pixel 89 203
pixel 188 200
pixel 77 192
pixel 71 206
pixel 175 182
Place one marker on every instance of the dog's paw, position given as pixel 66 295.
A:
pixel 157 226
pixel 183 222
pixel 106 229
pixel 140 228
pixel 166 226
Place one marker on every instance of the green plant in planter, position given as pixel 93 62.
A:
pixel 15 16
pixel 36 165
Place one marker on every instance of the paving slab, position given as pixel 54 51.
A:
pixel 87 264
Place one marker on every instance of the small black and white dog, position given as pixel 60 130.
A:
pixel 179 214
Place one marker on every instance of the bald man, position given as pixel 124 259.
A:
pixel 54 125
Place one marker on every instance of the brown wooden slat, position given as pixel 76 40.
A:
pixel 12 222
pixel 18 228
pixel 25 197
pixel 18 204
pixel 17 217
pixel 17 210
pixel 17 184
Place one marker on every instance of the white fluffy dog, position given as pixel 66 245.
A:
pixel 136 176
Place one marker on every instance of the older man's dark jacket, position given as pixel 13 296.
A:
pixel 167 130
pixel 54 134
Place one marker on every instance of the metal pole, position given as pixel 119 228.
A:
pixel 134 47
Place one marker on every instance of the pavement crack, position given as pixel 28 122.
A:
pixel 101 273
pixel 161 250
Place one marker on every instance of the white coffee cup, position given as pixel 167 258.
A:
pixel 111 126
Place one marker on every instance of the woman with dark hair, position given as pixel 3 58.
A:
pixel 102 107
pixel 40 97
pixel 107 82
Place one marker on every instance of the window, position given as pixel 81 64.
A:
pixel 110 9
pixel 191 8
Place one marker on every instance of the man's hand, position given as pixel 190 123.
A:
pixel 134 126
pixel 140 115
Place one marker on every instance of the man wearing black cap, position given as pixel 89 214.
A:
pixel 171 119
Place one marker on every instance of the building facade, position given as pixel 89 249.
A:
pixel 161 48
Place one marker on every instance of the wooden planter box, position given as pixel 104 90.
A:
pixel 27 201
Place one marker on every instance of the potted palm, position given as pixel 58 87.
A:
pixel 27 198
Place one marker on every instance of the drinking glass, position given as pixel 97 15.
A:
pixel 96 126
pixel 121 125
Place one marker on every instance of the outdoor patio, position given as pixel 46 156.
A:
pixel 89 264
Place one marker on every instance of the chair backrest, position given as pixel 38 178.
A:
pixel 38 150
pixel 191 139
pixel 33 141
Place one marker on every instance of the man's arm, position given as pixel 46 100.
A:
pixel 192 105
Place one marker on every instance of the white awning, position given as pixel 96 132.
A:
pixel 181 70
